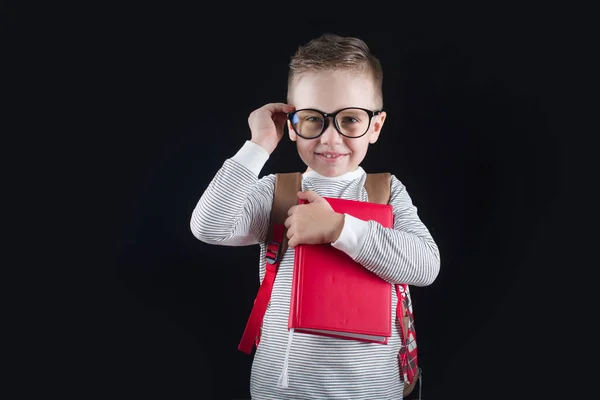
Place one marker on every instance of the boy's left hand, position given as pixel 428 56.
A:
pixel 313 223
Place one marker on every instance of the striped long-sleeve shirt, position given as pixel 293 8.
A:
pixel 234 210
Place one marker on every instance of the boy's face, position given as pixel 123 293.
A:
pixel 329 92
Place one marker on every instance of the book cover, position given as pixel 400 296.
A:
pixel 333 295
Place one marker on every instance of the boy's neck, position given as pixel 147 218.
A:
pixel 309 169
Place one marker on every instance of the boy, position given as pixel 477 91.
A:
pixel 338 76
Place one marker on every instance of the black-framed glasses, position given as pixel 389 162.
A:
pixel 351 122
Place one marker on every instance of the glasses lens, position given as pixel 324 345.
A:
pixel 353 122
pixel 307 123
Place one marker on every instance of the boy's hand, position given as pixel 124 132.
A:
pixel 267 123
pixel 313 223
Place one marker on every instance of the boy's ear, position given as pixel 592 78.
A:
pixel 291 133
pixel 377 126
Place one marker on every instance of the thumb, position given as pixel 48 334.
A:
pixel 309 195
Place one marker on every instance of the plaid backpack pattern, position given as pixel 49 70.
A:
pixel 407 358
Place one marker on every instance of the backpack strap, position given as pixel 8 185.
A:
pixel 287 185
pixel 284 197
pixel 378 187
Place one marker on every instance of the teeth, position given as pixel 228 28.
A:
pixel 330 155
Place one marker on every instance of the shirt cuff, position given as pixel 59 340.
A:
pixel 252 156
pixel 353 236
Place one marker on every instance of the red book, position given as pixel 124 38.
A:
pixel 333 295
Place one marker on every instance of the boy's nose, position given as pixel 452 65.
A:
pixel 331 136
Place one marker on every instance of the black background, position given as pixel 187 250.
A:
pixel 157 97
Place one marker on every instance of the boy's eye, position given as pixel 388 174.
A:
pixel 349 120
pixel 314 119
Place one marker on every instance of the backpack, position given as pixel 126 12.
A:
pixel 287 185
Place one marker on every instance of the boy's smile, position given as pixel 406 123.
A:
pixel 328 159
pixel 329 156
pixel 332 154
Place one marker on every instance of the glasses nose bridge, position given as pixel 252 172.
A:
pixel 326 136
pixel 326 122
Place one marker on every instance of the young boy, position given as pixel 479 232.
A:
pixel 337 76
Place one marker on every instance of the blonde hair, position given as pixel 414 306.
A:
pixel 331 52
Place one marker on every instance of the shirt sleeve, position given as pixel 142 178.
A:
pixel 234 209
pixel 406 254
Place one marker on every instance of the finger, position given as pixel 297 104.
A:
pixel 275 108
pixel 292 210
pixel 308 195
pixel 288 222
pixel 292 242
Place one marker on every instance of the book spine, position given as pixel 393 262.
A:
pixel 293 313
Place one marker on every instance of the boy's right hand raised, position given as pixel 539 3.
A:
pixel 267 124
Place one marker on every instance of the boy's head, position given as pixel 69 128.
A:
pixel 327 75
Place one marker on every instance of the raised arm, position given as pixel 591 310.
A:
pixel 235 207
